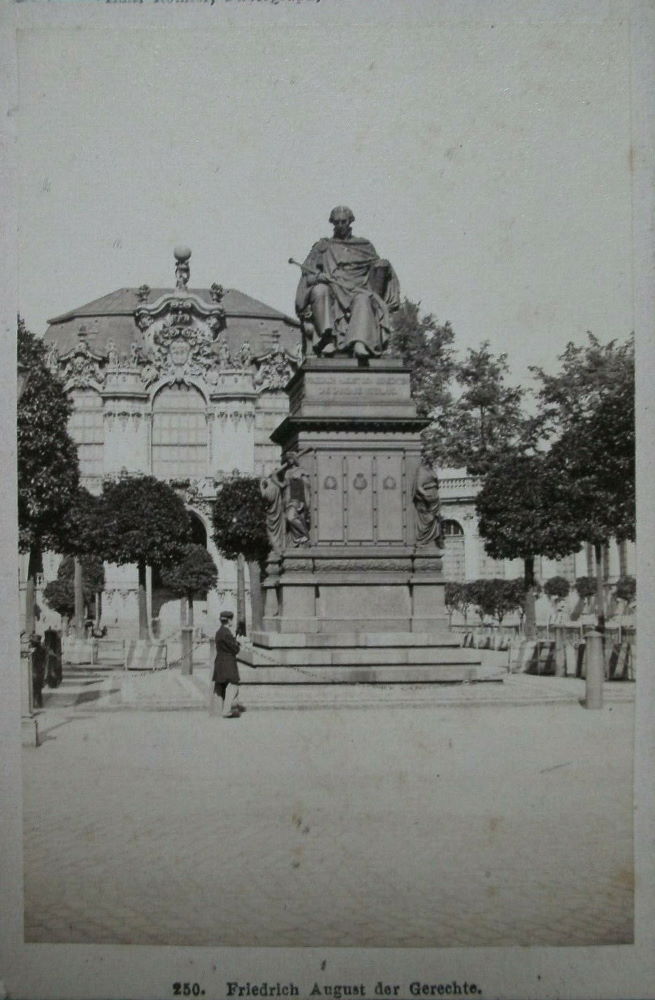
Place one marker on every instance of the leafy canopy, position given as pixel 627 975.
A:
pixel 48 469
pixel 590 409
pixel 59 594
pixel 239 520
pixel 495 598
pixel 557 586
pixel 485 421
pixel 524 509
pixel 426 347
pixel 193 574
pixel 141 520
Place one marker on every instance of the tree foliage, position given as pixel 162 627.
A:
pixel 456 598
pixel 485 421
pixel 589 408
pixel 192 575
pixel 495 598
pixel 426 347
pixel 557 587
pixel 524 510
pixel 239 520
pixel 585 586
pixel 625 589
pixel 141 520
pixel 48 470
pixel 59 594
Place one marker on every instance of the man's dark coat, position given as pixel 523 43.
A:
pixel 225 664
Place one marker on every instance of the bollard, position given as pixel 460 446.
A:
pixel 187 650
pixel 595 670
pixel 560 652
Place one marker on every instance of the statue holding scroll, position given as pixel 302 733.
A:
pixel 286 498
pixel 425 495
pixel 346 293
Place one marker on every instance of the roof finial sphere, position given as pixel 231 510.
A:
pixel 181 253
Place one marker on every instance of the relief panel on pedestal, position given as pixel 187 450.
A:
pixel 360 497
pixel 330 498
pixel 389 493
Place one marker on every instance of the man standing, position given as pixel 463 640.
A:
pixel 347 292
pixel 226 672
pixel 38 658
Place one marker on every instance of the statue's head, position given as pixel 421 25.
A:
pixel 342 219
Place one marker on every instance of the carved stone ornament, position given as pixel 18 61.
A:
pixel 362 565
pixel 80 367
pixel 274 369
pixel 200 493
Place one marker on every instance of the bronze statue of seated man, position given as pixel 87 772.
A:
pixel 346 293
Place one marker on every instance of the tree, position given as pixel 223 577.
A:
pixel 191 576
pixel 141 520
pixel 589 409
pixel 625 589
pixel 59 594
pixel 79 527
pixel 456 599
pixel 239 520
pixel 485 421
pixel 48 469
pixel 496 598
pixel 557 587
pixel 426 347
pixel 524 511
pixel 476 593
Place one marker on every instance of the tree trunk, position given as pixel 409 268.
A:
pixel 30 591
pixel 79 598
pixel 530 608
pixel 98 615
pixel 256 596
pixel 189 614
pixel 183 607
pixel 143 604
pixel 600 590
pixel 241 596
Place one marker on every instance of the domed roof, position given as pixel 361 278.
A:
pixel 112 317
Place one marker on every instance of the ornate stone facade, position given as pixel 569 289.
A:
pixel 181 383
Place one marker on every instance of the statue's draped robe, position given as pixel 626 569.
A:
pixel 427 506
pixel 357 311
pixel 272 493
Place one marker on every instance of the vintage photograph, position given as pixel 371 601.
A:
pixel 327 553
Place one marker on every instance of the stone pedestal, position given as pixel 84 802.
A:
pixel 362 576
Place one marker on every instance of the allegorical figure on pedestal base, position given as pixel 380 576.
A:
pixel 346 293
pixel 425 495
pixel 286 498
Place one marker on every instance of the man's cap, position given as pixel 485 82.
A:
pixel 226 615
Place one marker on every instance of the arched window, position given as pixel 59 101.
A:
pixel 179 433
pixel 453 557
pixel 86 428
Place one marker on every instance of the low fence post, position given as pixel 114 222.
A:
pixel 560 652
pixel 595 670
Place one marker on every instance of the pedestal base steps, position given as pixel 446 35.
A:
pixel 358 658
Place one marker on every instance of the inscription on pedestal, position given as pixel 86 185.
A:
pixel 376 387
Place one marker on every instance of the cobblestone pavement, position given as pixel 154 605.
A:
pixel 392 825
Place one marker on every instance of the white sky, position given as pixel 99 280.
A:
pixel 487 158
